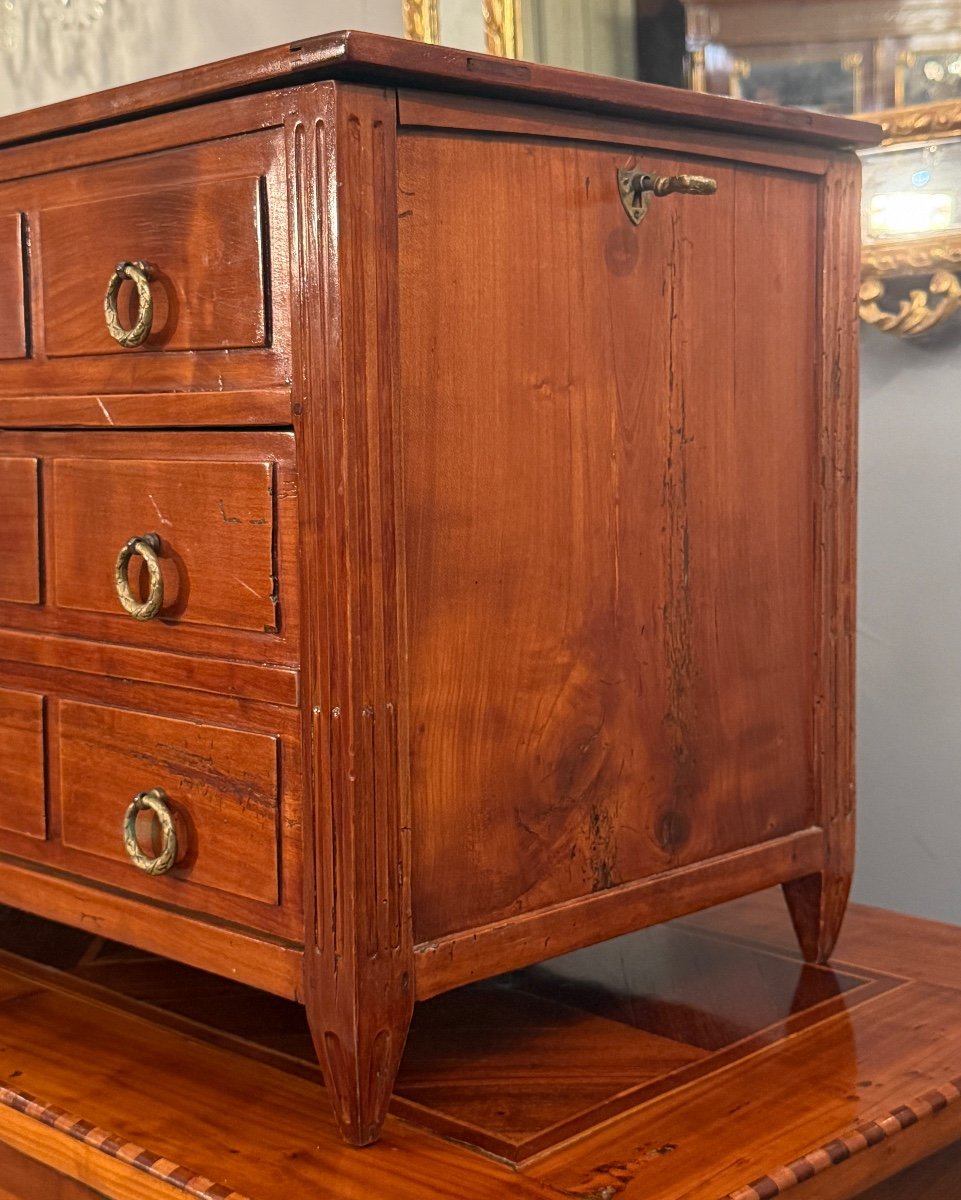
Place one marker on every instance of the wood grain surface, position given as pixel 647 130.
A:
pixel 385 60
pixel 847 1088
pixel 215 522
pixel 206 212
pixel 13 306
pixel 223 791
pixel 232 770
pixel 22 764
pixel 648 705
pixel 19 530
pixel 225 508
pixel 358 957
pixel 207 287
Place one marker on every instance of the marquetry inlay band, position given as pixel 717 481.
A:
pixel 182 1178
pixel 862 1137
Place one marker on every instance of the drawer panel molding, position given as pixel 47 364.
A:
pixel 13 286
pixel 22 768
pixel 19 530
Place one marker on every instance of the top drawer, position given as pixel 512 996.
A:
pixel 206 225
pixel 197 217
pixel 202 241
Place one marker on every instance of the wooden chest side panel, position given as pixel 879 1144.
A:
pixel 19 531
pixel 609 440
pixel 22 771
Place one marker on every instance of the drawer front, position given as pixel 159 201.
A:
pixel 198 217
pixel 19 531
pixel 214 522
pixel 220 785
pixel 13 299
pixel 22 775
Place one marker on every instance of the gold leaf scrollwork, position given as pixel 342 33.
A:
pixel 922 120
pixel 422 20
pixel 502 24
pixel 910 257
pixel 916 315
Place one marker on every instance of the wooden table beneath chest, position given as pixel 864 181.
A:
pixel 698 1061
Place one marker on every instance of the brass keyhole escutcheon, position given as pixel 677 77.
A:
pixel 637 189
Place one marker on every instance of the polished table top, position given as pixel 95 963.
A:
pixel 695 1061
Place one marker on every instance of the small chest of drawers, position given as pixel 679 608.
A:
pixel 427 521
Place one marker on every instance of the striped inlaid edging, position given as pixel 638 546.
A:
pixel 155 1165
pixel 862 1137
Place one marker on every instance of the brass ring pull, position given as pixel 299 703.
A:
pixel 636 189
pixel 148 548
pixel 139 274
pixel 156 801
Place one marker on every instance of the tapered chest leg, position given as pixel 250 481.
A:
pixel 358 955
pixel 359 1027
pixel 817 904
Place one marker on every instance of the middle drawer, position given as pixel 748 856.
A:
pixel 174 541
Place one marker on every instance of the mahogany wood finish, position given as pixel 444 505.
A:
pixel 145 409
pixel 666 669
pixel 222 787
pixel 208 291
pixel 232 771
pixel 507 547
pixel 13 316
pixel 224 507
pixel 22 768
pixel 352 54
pixel 812 1082
pixel 19 531
pixel 216 527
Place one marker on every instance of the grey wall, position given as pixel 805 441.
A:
pixel 909 628
pixel 48 53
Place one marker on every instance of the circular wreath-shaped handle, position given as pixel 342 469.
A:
pixel 139 274
pixel 156 801
pixel 148 548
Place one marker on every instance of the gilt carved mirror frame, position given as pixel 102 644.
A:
pixel 423 21
pixel 927 141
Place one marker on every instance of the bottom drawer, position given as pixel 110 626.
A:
pixel 211 817
pixel 224 775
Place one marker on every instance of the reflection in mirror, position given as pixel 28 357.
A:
pixel 635 39
pixel 597 37
pixel 911 211
pixel 835 56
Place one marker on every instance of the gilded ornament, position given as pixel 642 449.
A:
pixel 916 315
pixel 502 24
pixel 422 20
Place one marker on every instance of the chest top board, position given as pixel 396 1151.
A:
pixel 427 540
